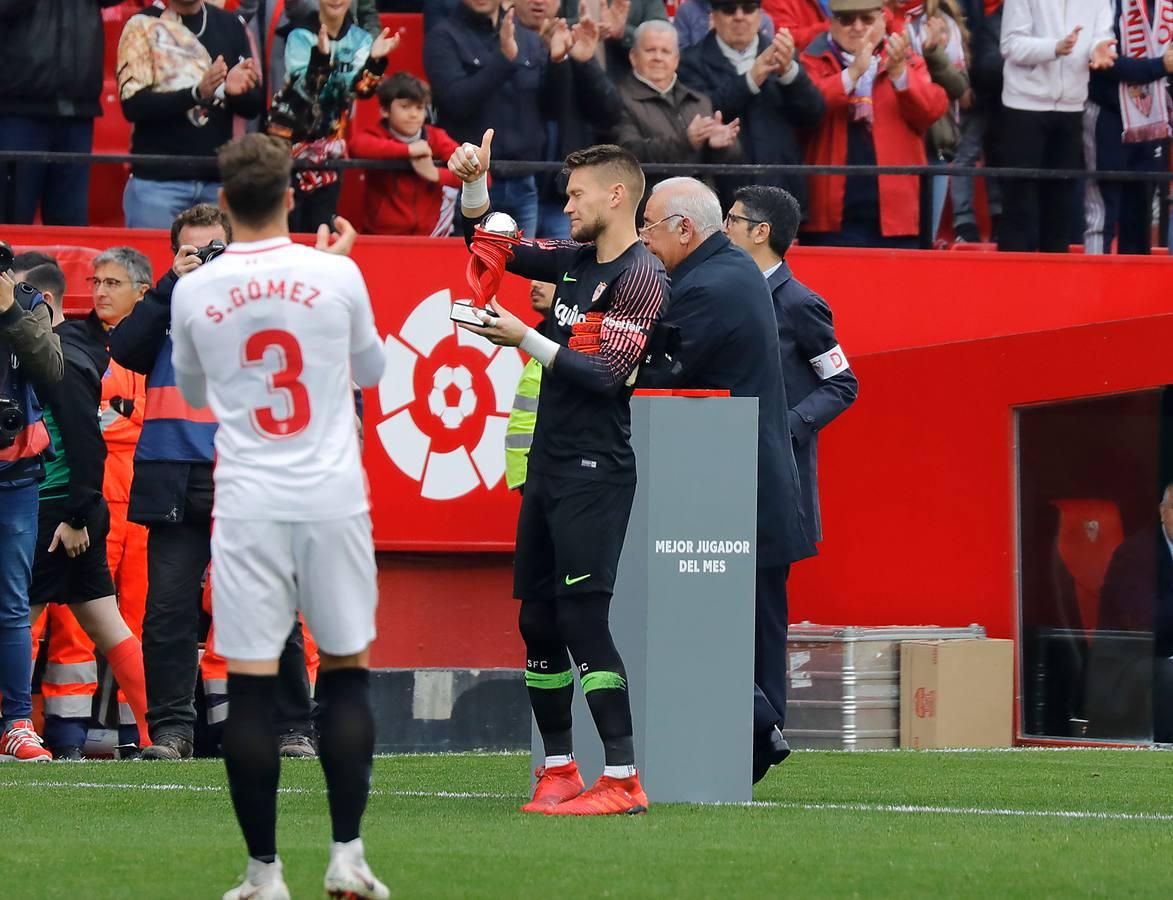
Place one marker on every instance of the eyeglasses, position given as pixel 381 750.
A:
pixel 111 284
pixel 649 227
pixel 846 19
pixel 731 8
pixel 733 217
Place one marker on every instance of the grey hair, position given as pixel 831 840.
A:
pixel 134 263
pixel 654 26
pixel 693 200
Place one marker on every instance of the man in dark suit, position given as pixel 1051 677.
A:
pixel 729 339
pixel 758 81
pixel 1136 600
pixel 819 382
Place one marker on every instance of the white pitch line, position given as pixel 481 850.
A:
pixel 967 811
pixel 753 804
pixel 220 789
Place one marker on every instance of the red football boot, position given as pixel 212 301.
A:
pixel 555 785
pixel 606 797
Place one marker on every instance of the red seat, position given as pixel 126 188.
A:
pixel 1089 533
pixel 350 201
pixel 409 55
pixel 78 264
pixel 111 135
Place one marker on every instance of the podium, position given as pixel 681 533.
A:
pixel 683 611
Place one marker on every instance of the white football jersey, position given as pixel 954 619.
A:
pixel 272 326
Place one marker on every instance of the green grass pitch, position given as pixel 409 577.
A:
pixel 973 824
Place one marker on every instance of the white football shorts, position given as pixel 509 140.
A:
pixel 264 572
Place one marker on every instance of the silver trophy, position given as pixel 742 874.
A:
pixel 492 247
pixel 501 223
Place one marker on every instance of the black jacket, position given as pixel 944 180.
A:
pixel 582 103
pixel 52 57
pixel 475 87
pixel 729 340
pixel 769 119
pixel 1137 594
pixel 816 397
pixel 985 51
pixel 1129 691
pixel 74 402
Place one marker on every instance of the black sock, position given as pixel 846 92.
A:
pixel 583 623
pixel 252 761
pixel 346 745
pixel 549 677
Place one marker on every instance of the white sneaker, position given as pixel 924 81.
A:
pixel 262 881
pixel 349 876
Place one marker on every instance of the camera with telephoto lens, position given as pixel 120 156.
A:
pixel 210 251
pixel 11 415
pixel 11 422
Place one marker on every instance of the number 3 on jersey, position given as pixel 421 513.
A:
pixel 283 383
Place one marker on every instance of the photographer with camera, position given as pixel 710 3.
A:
pixel 172 495
pixel 30 355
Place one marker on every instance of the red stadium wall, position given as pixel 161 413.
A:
pixel 917 479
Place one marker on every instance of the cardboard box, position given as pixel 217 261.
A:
pixel 956 693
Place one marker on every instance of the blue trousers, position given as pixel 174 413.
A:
pixel 519 198
pixel 155 204
pixel 61 191
pixel 18 540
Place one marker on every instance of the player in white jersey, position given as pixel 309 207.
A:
pixel 270 336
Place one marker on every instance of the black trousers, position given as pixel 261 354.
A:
pixel 177 556
pixel 314 209
pixel 770 661
pixel 1037 212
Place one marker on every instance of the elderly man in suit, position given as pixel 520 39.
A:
pixel 819 382
pixel 729 340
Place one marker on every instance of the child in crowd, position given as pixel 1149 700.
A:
pixel 329 62
pixel 421 200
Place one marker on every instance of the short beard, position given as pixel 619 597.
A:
pixel 589 232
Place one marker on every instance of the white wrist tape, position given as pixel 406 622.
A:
pixel 539 347
pixel 475 193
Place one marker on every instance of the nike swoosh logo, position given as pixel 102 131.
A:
pixel 566 277
pixel 570 581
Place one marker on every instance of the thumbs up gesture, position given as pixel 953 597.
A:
pixel 471 163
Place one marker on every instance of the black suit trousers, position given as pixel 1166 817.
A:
pixel 770 661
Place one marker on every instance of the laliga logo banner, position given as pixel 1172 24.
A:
pixel 445 399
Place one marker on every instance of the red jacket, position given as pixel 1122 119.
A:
pixel 901 119
pixel 805 19
pixel 402 202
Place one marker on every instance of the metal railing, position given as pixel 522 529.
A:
pixel 206 167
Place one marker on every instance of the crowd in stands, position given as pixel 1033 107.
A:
pixel 939 83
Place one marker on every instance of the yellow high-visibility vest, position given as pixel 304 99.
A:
pixel 519 431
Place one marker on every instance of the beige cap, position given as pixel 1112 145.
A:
pixel 840 6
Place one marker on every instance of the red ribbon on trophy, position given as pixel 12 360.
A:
pixel 492 247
